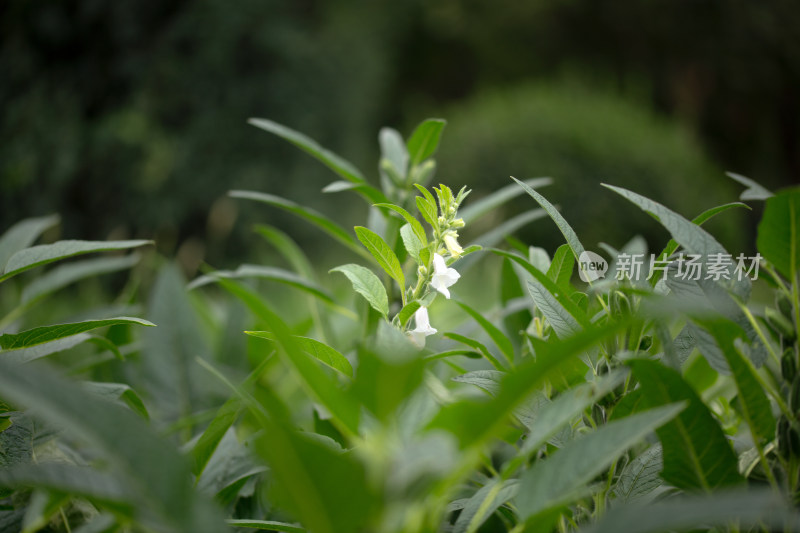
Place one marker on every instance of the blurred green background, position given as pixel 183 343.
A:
pixel 128 117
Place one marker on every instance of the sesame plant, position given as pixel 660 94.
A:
pixel 633 391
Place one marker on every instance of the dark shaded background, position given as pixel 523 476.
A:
pixel 128 117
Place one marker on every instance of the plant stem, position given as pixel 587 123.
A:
pixel 64 519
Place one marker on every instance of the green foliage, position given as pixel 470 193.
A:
pixel 367 284
pixel 779 232
pixel 45 334
pixel 695 450
pixel 275 398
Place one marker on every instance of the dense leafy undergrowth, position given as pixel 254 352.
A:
pixel 654 398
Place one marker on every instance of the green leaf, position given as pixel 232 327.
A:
pixel 314 217
pixel 419 231
pixel 689 235
pixel 48 253
pixel 25 355
pixel 709 296
pixel 557 480
pixel 744 508
pixel 326 490
pixel 700 219
pixel 63 275
pixel 754 191
pixel 479 346
pixel 640 476
pixel 484 503
pixel 696 453
pixel 23 234
pixel 382 253
pixel 209 441
pixel 156 475
pixel 393 149
pixel 539 257
pixel 450 353
pixel 560 271
pixel 566 230
pixel 267 525
pixel 16 441
pixel 426 194
pixel 43 334
pixel 413 245
pixel 753 399
pixel 211 437
pixel 388 373
pixel 319 350
pixel 339 186
pixel 779 232
pixel 510 294
pixel 174 384
pixel 319 385
pixel 271 273
pixel 556 295
pixel 632 402
pixel 489 380
pixel 427 209
pixel 119 393
pixel 423 142
pixel 497 336
pixel 475 423
pixel 340 166
pixel 231 465
pixel 553 416
pixel 562 322
pixel 487 204
pixel 367 284
pixel 408 311
pixel 700 375
pixel 76 480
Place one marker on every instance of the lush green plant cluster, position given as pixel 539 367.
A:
pixel 266 399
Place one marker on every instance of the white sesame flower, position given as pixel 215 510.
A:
pixel 423 328
pixel 452 245
pixel 443 276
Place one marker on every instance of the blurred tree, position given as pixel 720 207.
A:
pixel 131 114
pixel 582 138
pixel 729 69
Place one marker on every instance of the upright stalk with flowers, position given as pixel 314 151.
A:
pixel 432 258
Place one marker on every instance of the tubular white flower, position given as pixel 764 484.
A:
pixel 423 328
pixel 443 276
pixel 452 245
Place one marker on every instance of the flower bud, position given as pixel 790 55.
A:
pixel 457 223
pixel 452 245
